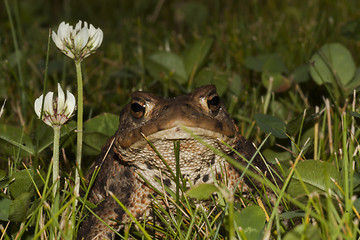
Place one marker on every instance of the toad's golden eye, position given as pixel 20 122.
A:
pixel 137 108
pixel 213 102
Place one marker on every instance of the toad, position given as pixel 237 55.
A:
pixel 128 158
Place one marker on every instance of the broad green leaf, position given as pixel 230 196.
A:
pixel 194 57
pixel 166 65
pixel 351 29
pixel 271 124
pixel 271 63
pixel 294 126
pixel 19 207
pixel 279 84
pixel 356 115
pixel 235 84
pixel 307 137
pixel 356 204
pixel 301 74
pixel 21 182
pixel 105 123
pixel 2 174
pixel 252 221
pixel 97 130
pixel 4 208
pixel 202 191
pixel 353 84
pixel 3 179
pixel 221 82
pixel 16 137
pixel 292 214
pixel 282 156
pixel 332 58
pixel 316 176
pixel 273 68
pixel 204 77
pixel 256 63
pixel 208 76
pixel 303 231
pixel 356 183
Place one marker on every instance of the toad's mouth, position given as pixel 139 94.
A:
pixel 179 132
pixel 193 153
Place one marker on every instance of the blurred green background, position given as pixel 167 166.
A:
pixel 242 34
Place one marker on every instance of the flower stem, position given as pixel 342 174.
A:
pixel 79 139
pixel 79 127
pixel 56 176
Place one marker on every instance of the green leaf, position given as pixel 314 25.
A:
pixel 301 74
pixel 202 191
pixel 353 84
pixel 16 137
pixel 303 231
pixel 273 64
pixel 4 208
pixel 235 84
pixel 256 63
pixel 351 29
pixel 252 221
pixel 280 83
pixel 273 68
pixel 356 115
pixel 282 156
pixel 204 77
pixel 105 123
pixel 97 130
pixel 2 174
pixel 221 82
pixel 21 182
pixel 356 183
pixel 307 137
pixel 270 63
pixel 208 76
pixel 292 214
pixel 3 179
pixel 19 207
pixel 194 56
pixel 166 65
pixel 332 58
pixel 316 176
pixel 271 124
pixel 356 204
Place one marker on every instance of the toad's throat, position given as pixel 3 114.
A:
pixel 194 154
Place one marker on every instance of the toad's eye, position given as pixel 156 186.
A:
pixel 137 109
pixel 213 102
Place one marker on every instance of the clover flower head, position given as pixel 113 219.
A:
pixel 79 42
pixel 56 111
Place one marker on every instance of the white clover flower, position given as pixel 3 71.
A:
pixel 56 111
pixel 77 43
